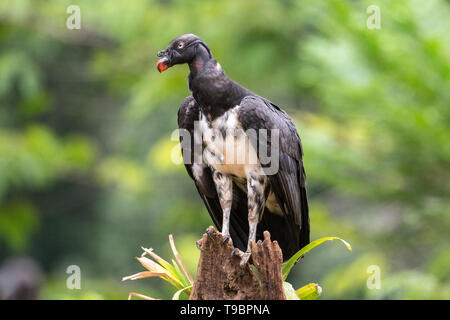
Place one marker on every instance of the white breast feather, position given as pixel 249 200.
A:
pixel 228 150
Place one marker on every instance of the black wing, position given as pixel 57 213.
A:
pixel 289 183
pixel 187 115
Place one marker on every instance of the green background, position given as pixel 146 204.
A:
pixel 86 176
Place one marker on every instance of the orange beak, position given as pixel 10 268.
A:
pixel 163 64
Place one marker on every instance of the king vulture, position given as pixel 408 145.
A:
pixel 222 121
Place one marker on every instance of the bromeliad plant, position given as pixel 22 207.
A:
pixel 177 275
pixel 311 291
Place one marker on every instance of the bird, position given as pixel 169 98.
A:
pixel 244 198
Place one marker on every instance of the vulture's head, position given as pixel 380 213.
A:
pixel 183 49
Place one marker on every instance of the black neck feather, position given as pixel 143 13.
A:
pixel 215 92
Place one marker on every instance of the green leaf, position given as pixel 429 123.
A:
pixel 288 265
pixel 309 292
pixel 171 271
pixel 177 294
pixel 180 274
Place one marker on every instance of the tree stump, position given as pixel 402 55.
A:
pixel 220 277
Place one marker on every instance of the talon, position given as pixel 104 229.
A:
pixel 199 247
pixel 236 252
pixel 259 243
pixel 209 234
pixel 226 238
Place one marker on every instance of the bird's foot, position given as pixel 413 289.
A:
pixel 236 252
pixel 245 256
pixel 226 237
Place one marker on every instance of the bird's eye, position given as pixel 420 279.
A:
pixel 180 45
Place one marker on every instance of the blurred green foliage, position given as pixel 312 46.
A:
pixel 86 176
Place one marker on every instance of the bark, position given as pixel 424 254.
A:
pixel 220 277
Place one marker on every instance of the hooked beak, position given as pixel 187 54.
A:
pixel 163 64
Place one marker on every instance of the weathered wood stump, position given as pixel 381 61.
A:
pixel 220 277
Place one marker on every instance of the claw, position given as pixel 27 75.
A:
pixel 236 252
pixel 209 234
pixel 245 256
pixel 227 238
pixel 259 243
pixel 199 247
